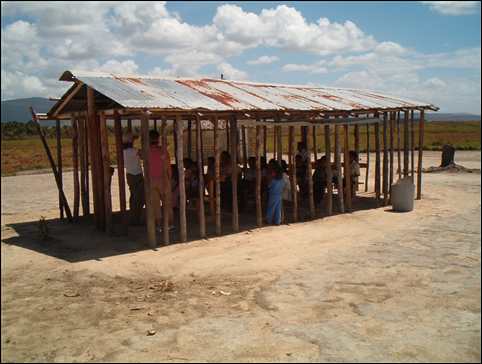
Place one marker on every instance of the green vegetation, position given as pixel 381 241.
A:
pixel 22 149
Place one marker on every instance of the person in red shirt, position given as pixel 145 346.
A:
pixel 160 172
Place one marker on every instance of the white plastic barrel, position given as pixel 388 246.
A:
pixel 403 193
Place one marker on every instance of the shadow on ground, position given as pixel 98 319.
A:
pixel 80 241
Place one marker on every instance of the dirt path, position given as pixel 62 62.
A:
pixel 368 286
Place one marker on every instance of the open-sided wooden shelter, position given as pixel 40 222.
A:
pixel 96 97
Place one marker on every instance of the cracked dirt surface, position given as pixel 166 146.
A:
pixel 372 285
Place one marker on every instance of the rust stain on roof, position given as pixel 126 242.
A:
pixel 217 95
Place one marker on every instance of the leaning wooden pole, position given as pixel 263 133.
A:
pixel 367 171
pixel 59 163
pixel 347 169
pixel 329 176
pixel 234 178
pixel 52 165
pixel 150 218
pixel 421 130
pixel 259 212
pixel 385 159
pixel 217 177
pixel 202 216
pixel 120 170
pixel 104 143
pixel 182 185
pixel 339 178
pixel 75 164
pixel 292 162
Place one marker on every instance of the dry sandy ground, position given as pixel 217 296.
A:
pixel 372 285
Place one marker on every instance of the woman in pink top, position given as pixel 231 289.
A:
pixel 160 172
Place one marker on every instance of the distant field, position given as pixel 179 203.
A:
pixel 28 153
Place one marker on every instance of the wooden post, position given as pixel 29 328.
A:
pixel 174 136
pixel 329 175
pixel 129 125
pixel 120 170
pixel 87 164
pixel 52 165
pixel 315 144
pixel 341 199
pixel 104 143
pixel 265 137
pixel 189 138
pixel 182 187
pixel 228 142
pixel 357 139
pixel 93 148
pixel 399 157
pixel 217 171
pixel 245 150
pixel 292 162
pixel 385 159
pixel 412 146
pixel 59 163
pixel 275 139
pixel 234 178
pixel 347 169
pixel 75 163
pixel 81 143
pixel 167 202
pixel 150 218
pixel 420 153
pixel 392 125
pixel 309 172
pixel 377 161
pixel 202 217
pixel 280 143
pixel 367 172
pixel 259 212
pixel 155 124
pixel 405 144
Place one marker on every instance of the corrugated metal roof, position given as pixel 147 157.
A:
pixel 134 91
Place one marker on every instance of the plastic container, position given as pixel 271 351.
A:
pixel 403 194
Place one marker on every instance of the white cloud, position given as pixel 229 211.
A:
pixel 264 60
pixel 231 73
pixel 114 66
pixel 453 7
pixel 315 68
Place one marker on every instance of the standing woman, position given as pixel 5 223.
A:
pixel 135 180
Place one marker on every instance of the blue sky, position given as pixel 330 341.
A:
pixel 429 51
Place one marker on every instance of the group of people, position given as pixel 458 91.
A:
pixel 276 186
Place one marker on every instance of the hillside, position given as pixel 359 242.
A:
pixel 18 109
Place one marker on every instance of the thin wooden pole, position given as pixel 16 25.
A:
pixel 100 165
pixel 392 125
pixel 150 218
pixel 421 129
pixel 217 171
pixel 75 163
pixel 155 124
pixel 357 139
pixel 309 172
pixel 315 147
pixel 93 148
pixel 367 172
pixel 52 165
pixel 347 169
pixel 341 199
pixel 189 138
pixel 202 217
pixel 292 161
pixel 259 212
pixel 59 163
pixel 265 141
pixel 81 142
pixel 405 144
pixel 275 139
pixel 182 186
pixel 129 125
pixel 399 156
pixel 245 150
pixel 120 170
pixel 234 178
pixel 329 176
pixel 104 143
pixel 279 143
pixel 87 164
pixel 377 161
pixel 175 137
pixel 385 159
pixel 412 146
pixel 228 142
pixel 167 202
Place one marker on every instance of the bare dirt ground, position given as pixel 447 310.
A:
pixel 372 285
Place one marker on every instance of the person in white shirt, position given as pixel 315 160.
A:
pixel 135 179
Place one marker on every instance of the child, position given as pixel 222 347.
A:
pixel 275 193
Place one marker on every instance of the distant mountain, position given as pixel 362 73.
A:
pixel 440 116
pixel 19 109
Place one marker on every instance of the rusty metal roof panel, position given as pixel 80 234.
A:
pixel 133 91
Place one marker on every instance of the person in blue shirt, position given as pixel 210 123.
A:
pixel 275 194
